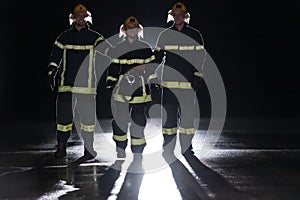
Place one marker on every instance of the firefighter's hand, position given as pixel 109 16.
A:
pixel 51 77
pixel 110 85
pixel 156 89
pixel 197 81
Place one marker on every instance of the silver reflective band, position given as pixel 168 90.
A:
pixel 176 84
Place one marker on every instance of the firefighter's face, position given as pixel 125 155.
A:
pixel 79 18
pixel 178 16
pixel 132 30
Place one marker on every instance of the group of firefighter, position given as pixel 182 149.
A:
pixel 135 72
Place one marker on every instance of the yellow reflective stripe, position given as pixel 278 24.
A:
pixel 109 86
pixel 74 47
pixel 79 90
pixel 184 47
pixel 199 74
pixel 90 70
pixel 144 87
pixel 187 131
pixel 133 61
pixel 79 47
pixel 87 128
pixel 171 47
pixel 111 78
pixel 98 39
pixel 120 138
pixel 169 131
pixel 64 68
pixel 138 141
pixel 64 128
pixel 60 45
pixel 137 99
pixel 157 48
pixel 176 84
pixel 141 99
pixel 189 48
pixel 53 64
pixel 150 59
pixel 152 76
pixel 199 47
pixel 115 60
pixel 119 98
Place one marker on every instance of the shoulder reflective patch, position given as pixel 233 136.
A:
pixel 60 45
pixel 101 38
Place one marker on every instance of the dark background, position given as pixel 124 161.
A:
pixel 255 45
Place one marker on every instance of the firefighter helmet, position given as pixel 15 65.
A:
pixel 80 8
pixel 180 7
pixel 130 21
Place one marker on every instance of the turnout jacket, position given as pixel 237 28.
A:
pixel 130 72
pixel 185 56
pixel 73 55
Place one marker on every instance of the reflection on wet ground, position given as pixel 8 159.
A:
pixel 260 164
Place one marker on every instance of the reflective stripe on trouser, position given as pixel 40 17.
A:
pixel 134 113
pixel 65 105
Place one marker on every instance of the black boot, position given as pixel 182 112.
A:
pixel 88 139
pixel 89 154
pixel 61 150
pixel 121 153
pixel 186 144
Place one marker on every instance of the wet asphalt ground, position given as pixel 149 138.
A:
pixel 251 159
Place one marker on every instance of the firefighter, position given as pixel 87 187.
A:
pixel 128 77
pixel 183 47
pixel 71 72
